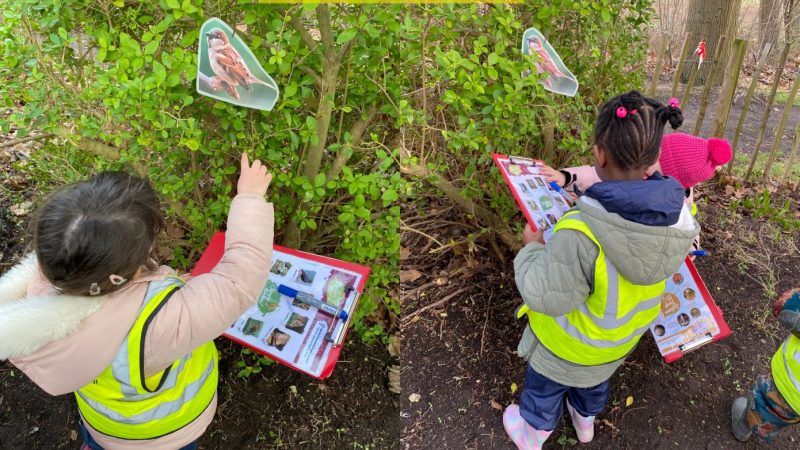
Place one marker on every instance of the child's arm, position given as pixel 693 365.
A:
pixel 787 309
pixel 581 177
pixel 14 283
pixel 555 278
pixel 208 304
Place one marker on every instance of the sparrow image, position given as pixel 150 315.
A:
pixel 544 62
pixel 228 65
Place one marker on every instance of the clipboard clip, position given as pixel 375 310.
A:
pixel 518 160
pixel 336 335
pixel 696 343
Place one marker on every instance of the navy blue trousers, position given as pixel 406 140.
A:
pixel 92 444
pixel 542 400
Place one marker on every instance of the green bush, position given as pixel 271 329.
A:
pixel 114 82
pixel 477 102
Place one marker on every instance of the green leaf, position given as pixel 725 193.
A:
pixel 173 4
pixel 151 48
pixel 389 196
pixel 492 58
pixel 319 180
pixel 346 35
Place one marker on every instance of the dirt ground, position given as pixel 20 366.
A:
pixel 460 357
pixel 277 408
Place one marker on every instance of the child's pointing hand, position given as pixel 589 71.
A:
pixel 253 179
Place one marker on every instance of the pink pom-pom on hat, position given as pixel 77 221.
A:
pixel 691 159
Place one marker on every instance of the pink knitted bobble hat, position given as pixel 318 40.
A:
pixel 691 159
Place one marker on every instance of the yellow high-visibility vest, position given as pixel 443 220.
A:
pixel 609 324
pixel 786 371
pixel 123 403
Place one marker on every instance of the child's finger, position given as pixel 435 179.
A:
pixel 245 164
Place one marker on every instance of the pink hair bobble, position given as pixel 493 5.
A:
pixel 674 103
pixel 622 112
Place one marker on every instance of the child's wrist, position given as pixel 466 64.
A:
pixel 569 178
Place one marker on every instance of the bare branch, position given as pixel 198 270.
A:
pixel 325 32
pixel 357 134
pixel 304 34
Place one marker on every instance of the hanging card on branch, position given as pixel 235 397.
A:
pixel 554 75
pixel 229 71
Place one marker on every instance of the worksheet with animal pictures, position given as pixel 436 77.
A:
pixel 688 317
pixel 288 330
pixel 541 204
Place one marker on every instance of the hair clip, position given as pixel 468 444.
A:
pixel 94 289
pixel 116 280
pixel 633 111
pixel 622 112
pixel 674 103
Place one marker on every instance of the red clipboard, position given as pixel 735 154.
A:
pixel 541 205
pixel 213 254
pixel 712 311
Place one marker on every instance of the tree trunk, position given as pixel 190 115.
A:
pixel 706 21
pixel 791 17
pixel 769 22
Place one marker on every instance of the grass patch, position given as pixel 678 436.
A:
pixel 777 172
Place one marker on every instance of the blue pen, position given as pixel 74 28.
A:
pixel 558 189
pixel 308 299
pixel 698 253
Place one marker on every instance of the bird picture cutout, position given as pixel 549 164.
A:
pixel 557 77
pixel 227 70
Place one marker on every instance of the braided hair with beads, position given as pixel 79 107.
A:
pixel 630 126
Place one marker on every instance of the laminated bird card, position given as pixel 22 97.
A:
pixel 227 70
pixel 301 317
pixel 541 202
pixel 557 77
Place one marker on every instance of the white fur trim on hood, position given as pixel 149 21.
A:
pixel 28 324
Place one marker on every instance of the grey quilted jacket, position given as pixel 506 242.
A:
pixel 555 278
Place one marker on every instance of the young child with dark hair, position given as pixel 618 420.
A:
pixel 595 288
pixel 689 159
pixel 773 402
pixel 89 311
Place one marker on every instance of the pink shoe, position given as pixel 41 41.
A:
pixel 85 447
pixel 584 426
pixel 525 436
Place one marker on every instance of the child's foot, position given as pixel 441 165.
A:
pixel 584 426
pixel 741 429
pixel 525 436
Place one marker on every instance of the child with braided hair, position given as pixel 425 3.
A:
pixel 689 159
pixel 595 288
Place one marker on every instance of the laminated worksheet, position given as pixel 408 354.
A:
pixel 303 312
pixel 688 318
pixel 542 203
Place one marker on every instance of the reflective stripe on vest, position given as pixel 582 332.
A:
pixel 786 371
pixel 610 323
pixel 124 403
